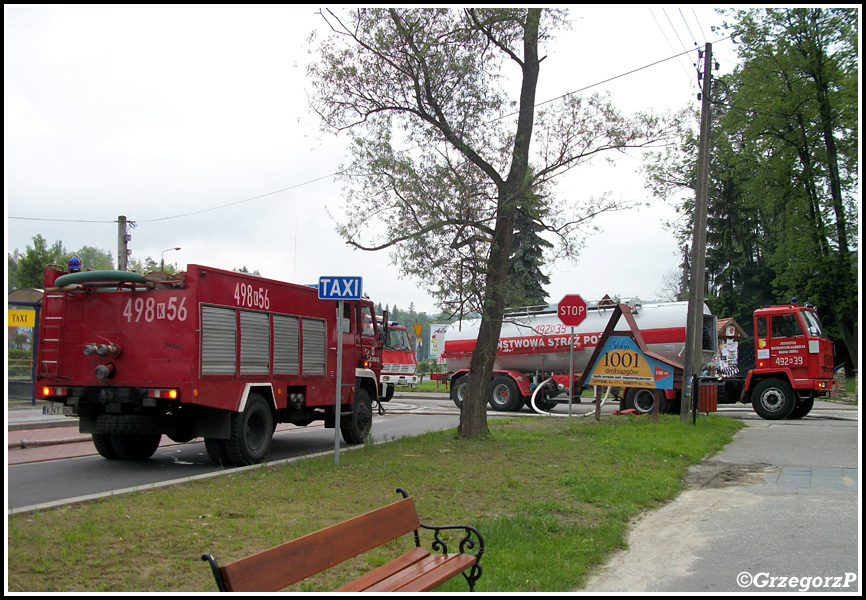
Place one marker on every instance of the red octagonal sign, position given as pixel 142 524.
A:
pixel 572 310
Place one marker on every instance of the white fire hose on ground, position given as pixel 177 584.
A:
pixel 551 414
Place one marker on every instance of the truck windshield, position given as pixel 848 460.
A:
pixel 813 323
pixel 398 339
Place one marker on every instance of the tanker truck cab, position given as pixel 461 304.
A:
pixel 793 362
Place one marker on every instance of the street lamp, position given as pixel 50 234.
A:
pixel 162 259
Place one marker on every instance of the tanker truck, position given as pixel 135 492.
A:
pixel 794 360
pixel 535 348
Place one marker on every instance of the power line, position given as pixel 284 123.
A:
pixel 59 220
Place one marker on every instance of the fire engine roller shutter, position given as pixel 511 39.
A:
pixel 314 346
pixel 218 341
pixel 286 345
pixel 255 343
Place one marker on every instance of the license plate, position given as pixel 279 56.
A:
pixel 60 409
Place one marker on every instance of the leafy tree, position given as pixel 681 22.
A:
pixel 526 280
pixel 31 265
pixel 433 81
pixel 783 169
pixel 796 103
pixel 93 258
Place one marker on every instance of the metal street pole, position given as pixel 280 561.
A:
pixel 162 259
pixel 692 357
pixel 339 382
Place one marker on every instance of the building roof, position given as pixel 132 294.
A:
pixel 724 323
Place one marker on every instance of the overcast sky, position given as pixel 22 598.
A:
pixel 193 122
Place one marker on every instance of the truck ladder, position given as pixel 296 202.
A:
pixel 54 305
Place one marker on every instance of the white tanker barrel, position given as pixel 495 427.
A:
pixel 539 342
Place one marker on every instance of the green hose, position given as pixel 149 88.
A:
pixel 88 276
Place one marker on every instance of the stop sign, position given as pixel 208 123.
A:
pixel 572 310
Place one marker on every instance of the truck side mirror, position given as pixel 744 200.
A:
pixel 383 335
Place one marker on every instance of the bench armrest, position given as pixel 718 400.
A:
pixel 472 540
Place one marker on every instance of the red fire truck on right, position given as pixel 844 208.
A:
pixel 794 364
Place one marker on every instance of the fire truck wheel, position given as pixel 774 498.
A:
pixel 504 395
pixel 252 432
pixel 135 447
pixel 389 392
pixel 217 452
pixel 459 389
pixel 803 408
pixel 102 441
pixel 643 400
pixel 773 399
pixel 359 424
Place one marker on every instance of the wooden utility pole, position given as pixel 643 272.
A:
pixel 697 285
pixel 122 249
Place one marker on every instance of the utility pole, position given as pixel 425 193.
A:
pixel 693 361
pixel 122 250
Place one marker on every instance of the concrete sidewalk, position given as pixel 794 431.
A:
pixel 776 511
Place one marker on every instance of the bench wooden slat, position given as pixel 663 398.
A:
pixel 456 564
pixel 425 574
pixel 387 570
pixel 321 550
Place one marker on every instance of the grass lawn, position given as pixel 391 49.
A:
pixel 551 496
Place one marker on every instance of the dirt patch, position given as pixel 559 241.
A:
pixel 716 474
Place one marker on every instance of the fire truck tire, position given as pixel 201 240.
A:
pixel 217 452
pixel 389 392
pixel 459 389
pixel 131 424
pixel 773 399
pixel 643 401
pixel 803 408
pixel 360 422
pixel 504 395
pixel 252 432
pixel 134 446
pixel 102 441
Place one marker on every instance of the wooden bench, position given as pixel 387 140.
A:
pixel 418 570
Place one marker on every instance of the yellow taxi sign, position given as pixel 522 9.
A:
pixel 22 318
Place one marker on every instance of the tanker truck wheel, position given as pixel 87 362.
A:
pixel 252 432
pixel 504 395
pixel 459 389
pixel 643 400
pixel 357 426
pixel 773 399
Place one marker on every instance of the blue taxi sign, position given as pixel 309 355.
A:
pixel 340 288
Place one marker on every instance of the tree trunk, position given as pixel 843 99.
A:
pixel 473 413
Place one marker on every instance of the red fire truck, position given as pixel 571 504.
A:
pixel 399 366
pixel 794 364
pixel 207 353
